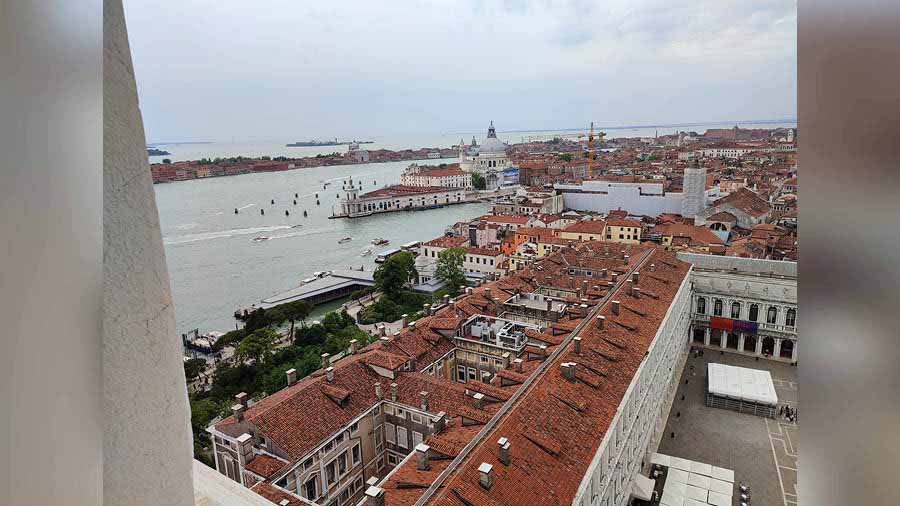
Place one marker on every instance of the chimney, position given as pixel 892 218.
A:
pixel 446 299
pixel 601 320
pixel 291 376
pixel 378 391
pixel 629 287
pixel 329 374
pixel 615 277
pixel 439 421
pixel 374 496
pixel 468 289
pixel 584 286
pixel 354 346
pixel 426 309
pixel 479 400
pixel 506 356
pixel 603 273
pixel 543 349
pixel 652 267
pixel 635 276
pixel 394 392
pixel 568 370
pixel 637 293
pixel 238 411
pixel 404 320
pixel 577 341
pixel 372 481
pixel 503 451
pixel 486 476
pixel 625 258
pixel 423 400
pixel 487 293
pixel 385 340
pixel 615 307
pixel 518 364
pixel 422 457
pixel 242 398
pixel 326 360
pixel 412 325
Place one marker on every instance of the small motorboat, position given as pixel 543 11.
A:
pixel 366 253
pixel 296 226
pixel 345 239
pixel 378 241
pixel 260 238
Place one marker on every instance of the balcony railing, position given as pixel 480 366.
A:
pixel 770 327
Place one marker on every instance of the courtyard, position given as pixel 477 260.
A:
pixel 761 451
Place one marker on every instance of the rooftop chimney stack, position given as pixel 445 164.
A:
pixel 291 376
pixel 629 287
pixel 637 293
pixel 577 341
pixel 503 451
pixel 423 400
pixel 615 307
pixel 568 370
pixel 242 398
pixel 635 276
pixel 652 267
pixel 374 496
pixel 603 273
pixel 439 421
pixel 486 475
pixel 446 299
pixel 329 374
pixel 601 322
pixel 326 360
pixel 384 339
pixel 354 346
pixel 518 364
pixel 479 400
pixel 404 320
pixel 468 290
pixel 422 457
pixel 382 330
pixel 378 391
pixel 394 392
pixel 615 277
pixel 238 411
pixel 543 349
pixel 487 293
pixel 506 356
pixel 426 309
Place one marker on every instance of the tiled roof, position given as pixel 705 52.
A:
pixel 276 495
pixel 745 200
pixel 587 227
pixel 447 241
pixel 404 190
pixel 265 465
pixel 696 235
pixel 503 218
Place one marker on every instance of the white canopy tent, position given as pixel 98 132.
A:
pixel 742 384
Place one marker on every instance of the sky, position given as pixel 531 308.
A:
pixel 221 70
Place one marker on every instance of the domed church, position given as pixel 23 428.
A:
pixel 488 159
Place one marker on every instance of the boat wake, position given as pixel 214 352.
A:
pixel 221 234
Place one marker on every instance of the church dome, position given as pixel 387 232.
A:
pixel 492 145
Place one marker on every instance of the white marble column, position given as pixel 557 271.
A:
pixel 776 353
pixel 759 342
pixel 794 352
pixel 723 342
pixel 741 342
pixel 706 336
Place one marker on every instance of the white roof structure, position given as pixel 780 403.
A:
pixel 741 383
pixel 698 484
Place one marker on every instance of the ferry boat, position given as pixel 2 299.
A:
pixel 379 241
pixel 345 239
pixel 384 255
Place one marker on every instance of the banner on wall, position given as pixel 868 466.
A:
pixel 729 325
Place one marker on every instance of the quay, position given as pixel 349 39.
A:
pixel 398 198
pixel 336 285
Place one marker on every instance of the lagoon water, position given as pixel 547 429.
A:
pixel 216 267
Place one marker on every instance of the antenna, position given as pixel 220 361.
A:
pixel 590 146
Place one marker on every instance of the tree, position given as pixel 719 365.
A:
pixel 478 181
pixel 297 310
pixel 167 160
pixel 257 346
pixel 193 368
pixel 566 157
pixel 449 269
pixel 395 272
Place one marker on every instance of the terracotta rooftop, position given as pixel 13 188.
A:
pixel 587 227
pixel 447 241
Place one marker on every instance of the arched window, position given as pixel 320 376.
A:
pixel 772 314
pixel 754 313
pixel 717 307
pixel 735 310
pixel 701 305
pixel 791 317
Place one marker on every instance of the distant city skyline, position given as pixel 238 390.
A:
pixel 277 70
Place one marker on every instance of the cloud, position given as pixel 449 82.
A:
pixel 281 69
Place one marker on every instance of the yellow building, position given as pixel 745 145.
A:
pixel 587 230
pixel 623 230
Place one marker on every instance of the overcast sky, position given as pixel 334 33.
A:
pixel 292 69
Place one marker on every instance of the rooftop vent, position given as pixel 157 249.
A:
pixel 503 451
pixel 486 475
